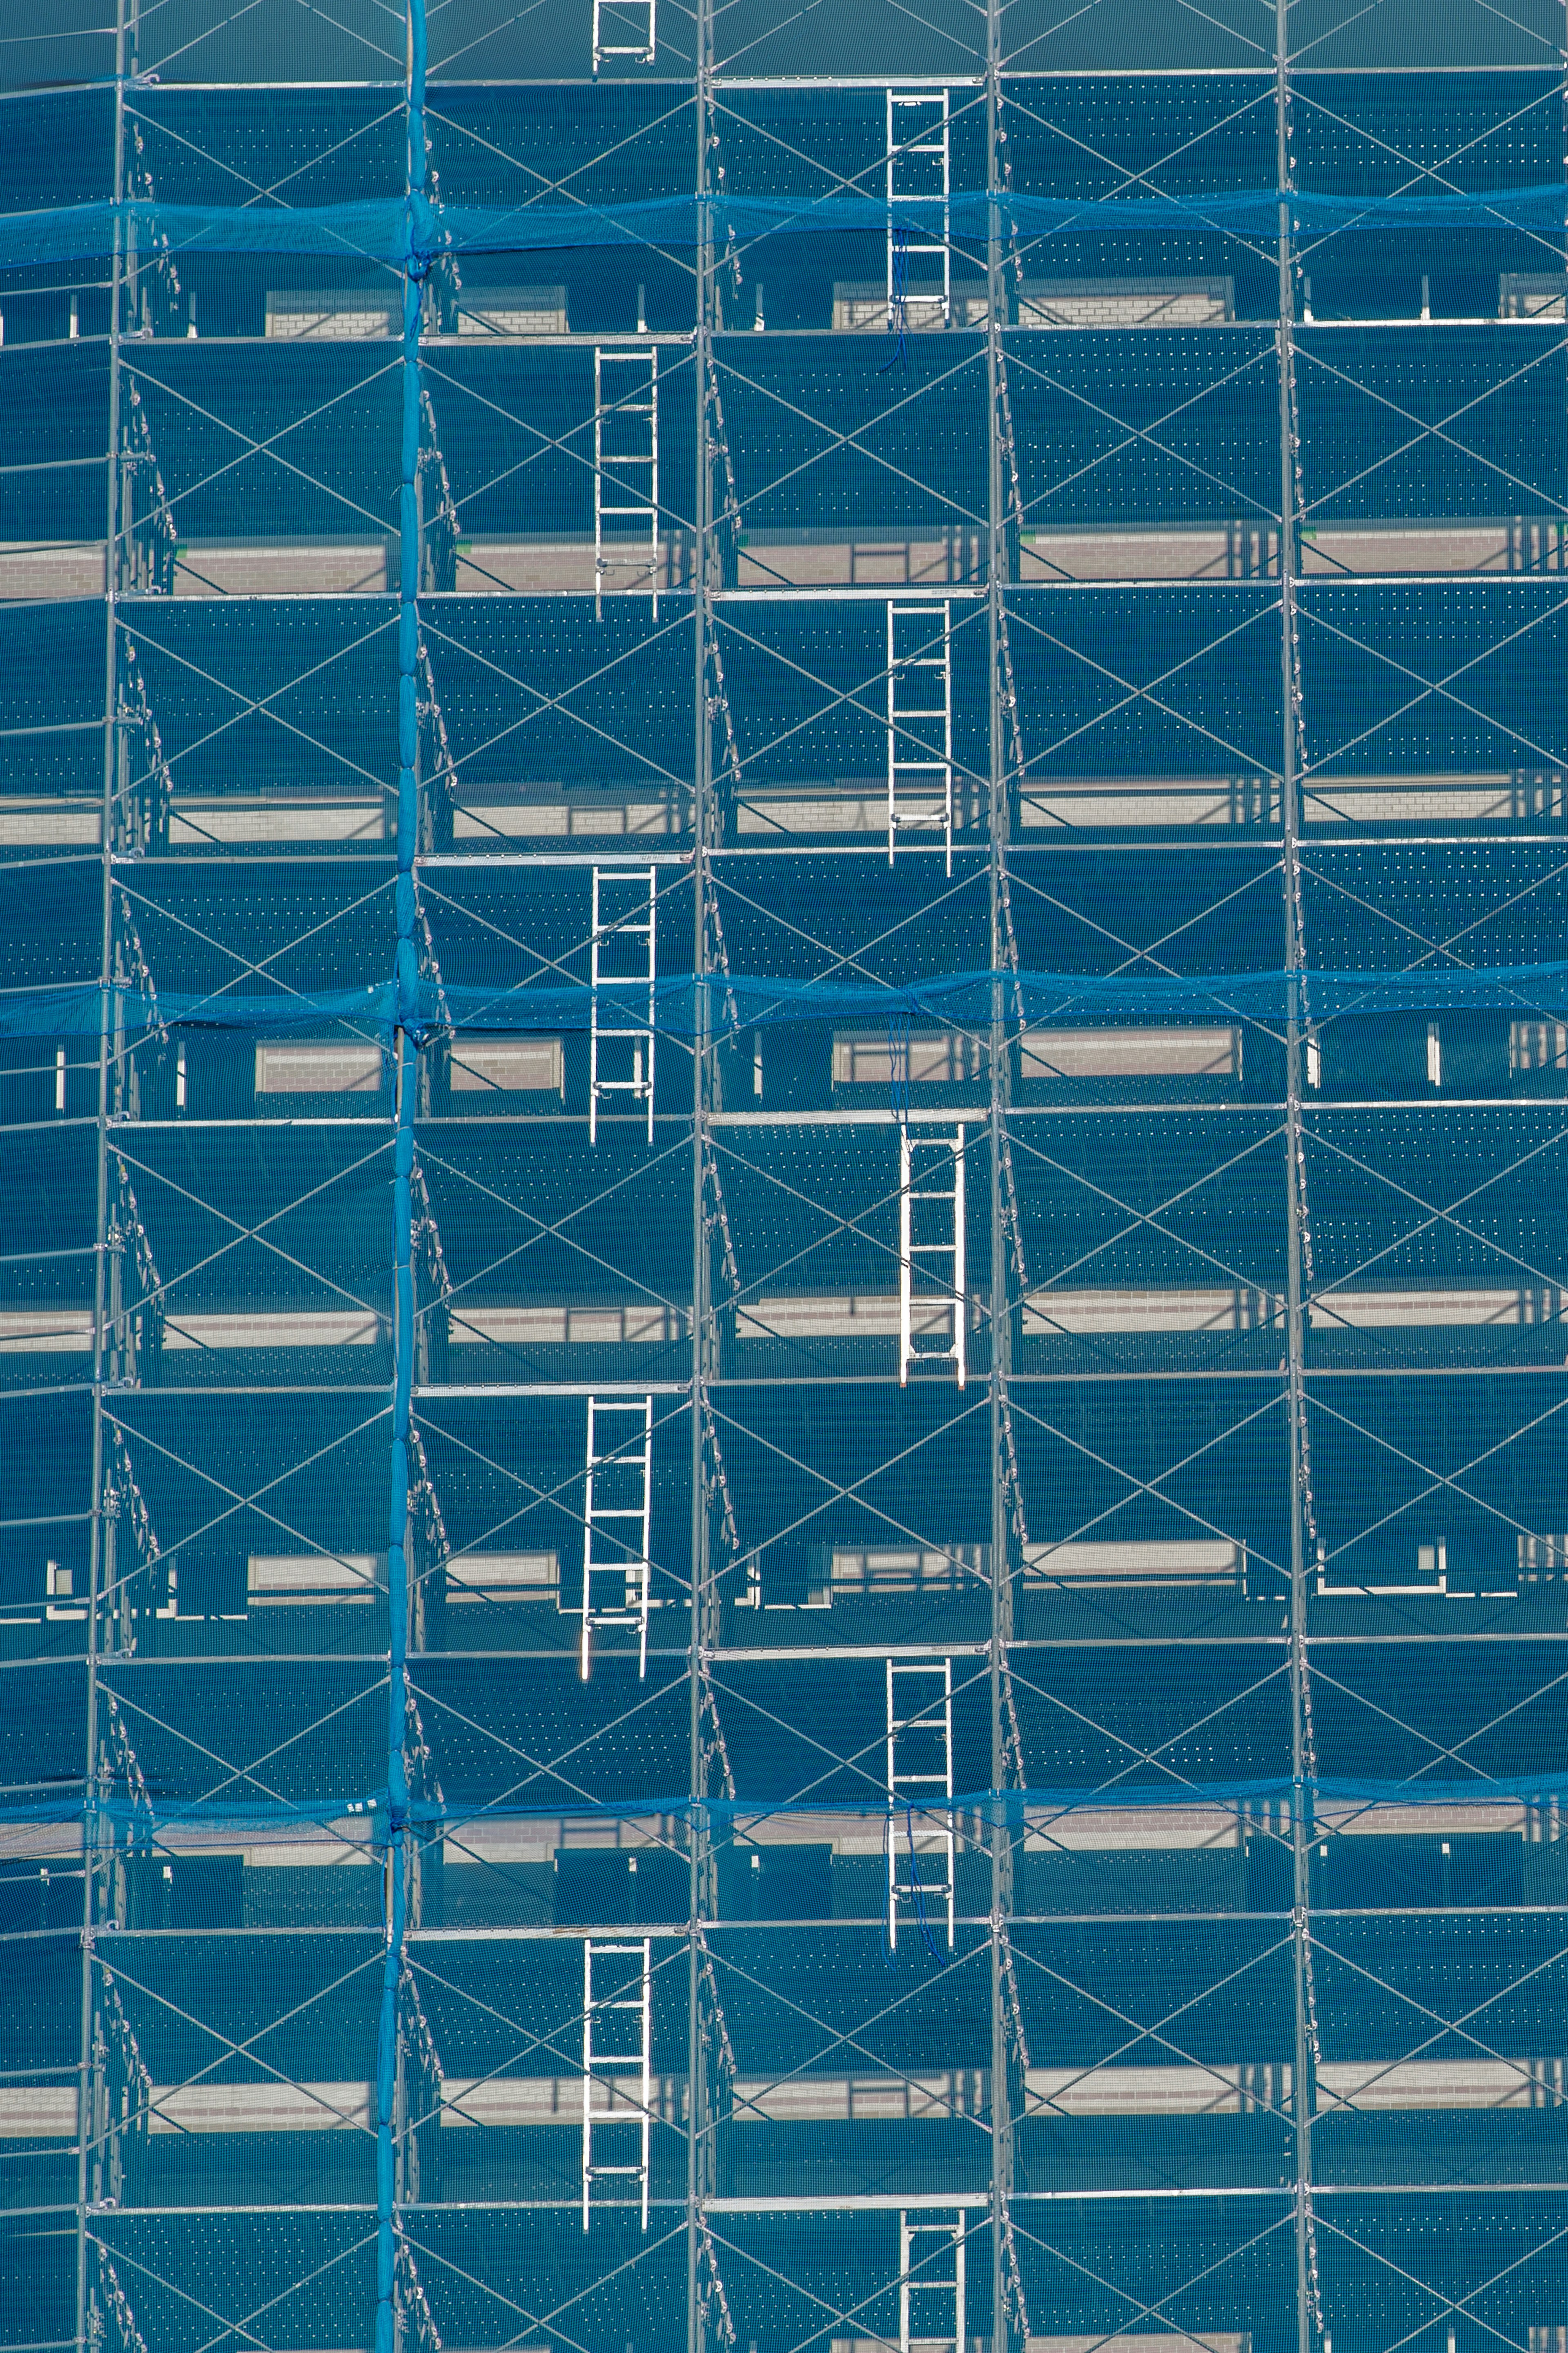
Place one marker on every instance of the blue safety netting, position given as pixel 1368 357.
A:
pixel 783 1029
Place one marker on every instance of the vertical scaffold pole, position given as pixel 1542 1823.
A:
pixel 93 1818
pixel 1001 1828
pixel 1300 2081
pixel 698 2106
pixel 406 1025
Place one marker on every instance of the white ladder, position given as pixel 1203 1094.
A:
pixel 920 721
pixel 622 2010
pixel 919 171
pixel 919 1769
pixel 624 958
pixel 930 1249
pixel 618 1512
pixel 931 2283
pixel 641 50
pixel 626 450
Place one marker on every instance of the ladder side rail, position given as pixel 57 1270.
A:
pixel 647 2045
pixel 906 1253
pixel 587 2069
pixel 961 2300
pixel 947 732
pixel 594 945
pixel 892 1826
pixel 960 1302
pixel 653 558
pixel 598 472
pixel 652 914
pixel 588 1558
pixel 947 242
pixel 890 153
pixel 951 1841
pixel 644 1569
pixel 892 671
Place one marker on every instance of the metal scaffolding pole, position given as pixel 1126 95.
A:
pixel 1300 2081
pixel 100 1570
pixel 1001 1316
pixel 389 2103
pixel 698 2106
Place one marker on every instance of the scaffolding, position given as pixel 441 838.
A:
pixel 782 1334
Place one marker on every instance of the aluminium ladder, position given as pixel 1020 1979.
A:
pixel 626 466
pixel 624 958
pixel 919 174
pixel 643 51
pixel 622 2011
pixel 617 1521
pixel 920 1769
pixel 920 721
pixel 932 2314
pixel 932 1274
